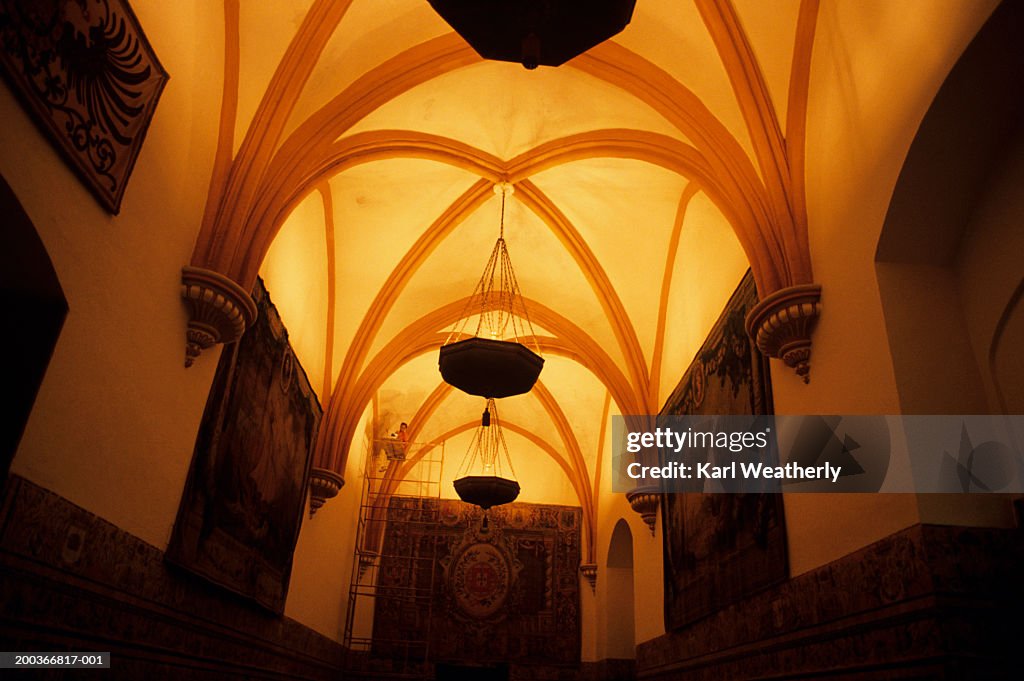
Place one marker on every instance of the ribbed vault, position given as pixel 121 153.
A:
pixel 638 204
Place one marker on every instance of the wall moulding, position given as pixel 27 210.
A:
pixel 324 484
pixel 589 573
pixel 645 501
pixel 782 324
pixel 220 310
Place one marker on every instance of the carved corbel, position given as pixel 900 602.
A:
pixel 219 310
pixel 324 484
pixel 781 325
pixel 645 501
pixel 589 572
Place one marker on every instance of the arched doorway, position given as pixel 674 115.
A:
pixel 34 309
pixel 619 630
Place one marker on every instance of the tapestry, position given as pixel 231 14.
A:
pixel 504 591
pixel 720 548
pixel 245 495
pixel 87 76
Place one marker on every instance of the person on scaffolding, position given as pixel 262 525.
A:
pixel 396 450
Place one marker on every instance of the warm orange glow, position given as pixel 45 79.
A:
pixel 347 153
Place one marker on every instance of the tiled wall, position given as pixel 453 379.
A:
pixel 929 602
pixel 71 581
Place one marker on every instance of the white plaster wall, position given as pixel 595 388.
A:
pixel 116 417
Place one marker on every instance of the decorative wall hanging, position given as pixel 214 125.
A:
pixel 493 362
pixel 481 477
pixel 86 74
pixel 508 593
pixel 242 505
pixel 720 548
pixel 533 32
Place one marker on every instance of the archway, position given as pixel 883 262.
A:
pixel 619 630
pixel 34 307
pixel 947 258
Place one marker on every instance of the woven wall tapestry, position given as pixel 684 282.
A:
pixel 89 79
pixel 507 593
pixel 719 548
pixel 243 502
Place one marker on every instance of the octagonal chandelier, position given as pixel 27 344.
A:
pixel 534 32
pixel 493 363
pixel 486 477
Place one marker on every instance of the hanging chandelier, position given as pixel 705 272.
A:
pixel 535 32
pixel 482 477
pixel 493 363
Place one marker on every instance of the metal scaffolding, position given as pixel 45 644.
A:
pixel 400 498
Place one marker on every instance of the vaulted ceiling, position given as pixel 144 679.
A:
pixel 361 140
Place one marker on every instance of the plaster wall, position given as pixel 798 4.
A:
pixel 866 101
pixel 989 276
pixel 115 420
pixel 116 417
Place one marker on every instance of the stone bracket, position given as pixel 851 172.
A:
pixel 589 572
pixel 324 484
pixel 645 501
pixel 782 323
pixel 219 310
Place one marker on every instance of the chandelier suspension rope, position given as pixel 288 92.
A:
pixel 499 306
